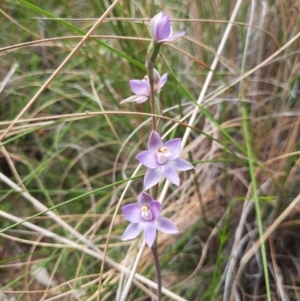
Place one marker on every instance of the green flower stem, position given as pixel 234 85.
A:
pixel 153 51
pixel 149 67
pixel 157 268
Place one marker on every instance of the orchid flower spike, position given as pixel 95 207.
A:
pixel 142 89
pixel 145 215
pixel 162 159
pixel 161 30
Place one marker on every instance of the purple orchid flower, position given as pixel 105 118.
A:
pixel 162 159
pixel 161 30
pixel 142 87
pixel 145 215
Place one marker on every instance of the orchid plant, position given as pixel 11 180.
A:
pixel 161 159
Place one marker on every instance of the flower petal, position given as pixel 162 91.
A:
pixel 153 25
pixel 132 231
pixel 147 158
pixel 150 233
pixel 163 29
pixel 152 177
pixel 165 225
pixel 181 164
pixel 174 37
pixel 140 87
pixel 132 212
pixel 155 208
pixel 174 147
pixel 170 174
pixel 154 142
pixel 162 82
pixel 145 199
pixel 141 99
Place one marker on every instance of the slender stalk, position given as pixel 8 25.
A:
pixel 149 67
pixel 154 51
pixel 157 268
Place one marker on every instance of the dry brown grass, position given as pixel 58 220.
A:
pixel 74 146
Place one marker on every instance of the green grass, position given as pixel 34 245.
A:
pixel 244 144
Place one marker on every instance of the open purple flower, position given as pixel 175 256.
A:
pixel 142 87
pixel 162 159
pixel 145 215
pixel 161 30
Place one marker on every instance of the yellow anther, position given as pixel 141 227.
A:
pixel 145 208
pixel 146 213
pixel 163 149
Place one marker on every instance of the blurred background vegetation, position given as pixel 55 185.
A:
pixel 72 158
